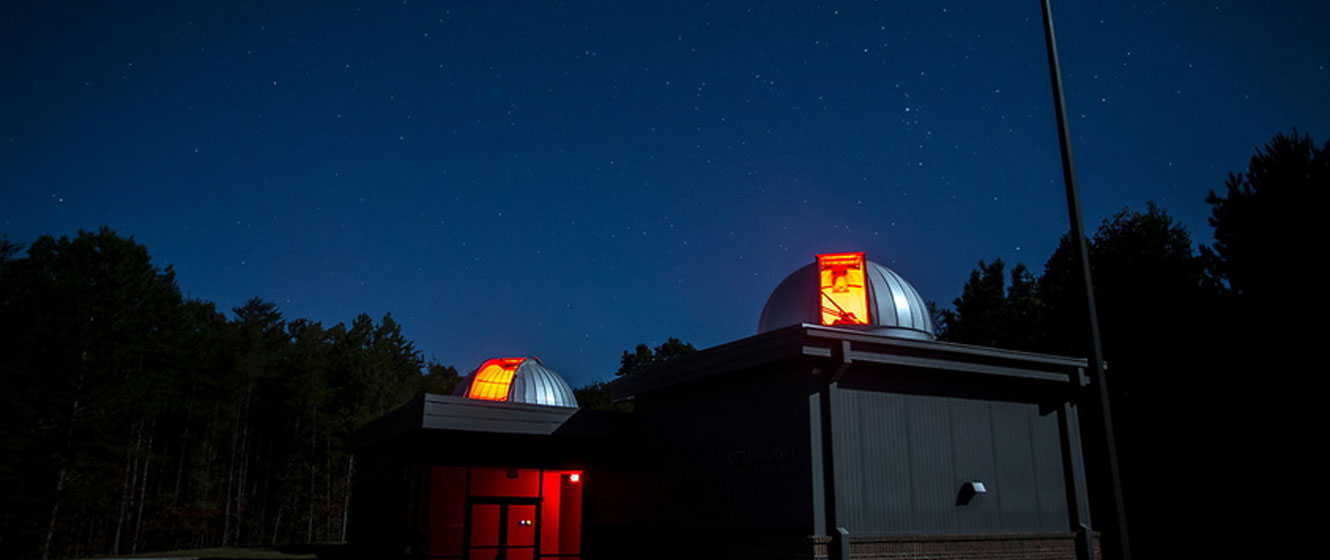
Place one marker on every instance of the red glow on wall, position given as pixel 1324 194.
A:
pixel 843 289
pixel 513 513
pixel 508 483
pixel 521 525
pixel 485 524
pixel 493 379
pixel 561 504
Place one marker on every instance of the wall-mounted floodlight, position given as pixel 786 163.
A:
pixel 969 490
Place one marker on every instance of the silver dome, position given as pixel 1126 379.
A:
pixel 532 383
pixel 894 306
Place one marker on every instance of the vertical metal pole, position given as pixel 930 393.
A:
pixel 1078 240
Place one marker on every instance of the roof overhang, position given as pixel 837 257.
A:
pixel 846 346
pixel 431 412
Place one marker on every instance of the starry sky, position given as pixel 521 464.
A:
pixel 569 179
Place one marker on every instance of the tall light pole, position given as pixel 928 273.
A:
pixel 1078 242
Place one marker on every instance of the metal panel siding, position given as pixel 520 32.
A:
pixel 1014 488
pixel 891 424
pixel 1049 473
pixel 872 429
pixel 816 465
pixel 975 452
pixel 901 460
pixel 932 468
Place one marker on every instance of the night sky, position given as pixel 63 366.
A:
pixel 569 179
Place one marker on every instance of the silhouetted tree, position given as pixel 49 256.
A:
pixel 1267 236
pixel 1157 320
pixel 1149 286
pixel 1156 309
pixel 84 326
pixel 938 316
pixel 1267 216
pixel 991 313
pixel 644 357
pixel 440 379
pixel 594 395
pixel 133 420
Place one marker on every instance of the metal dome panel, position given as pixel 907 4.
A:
pixel 536 384
pixel 895 307
pixel 530 382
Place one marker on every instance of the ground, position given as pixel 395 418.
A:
pixel 326 551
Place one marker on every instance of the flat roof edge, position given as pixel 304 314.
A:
pixel 817 342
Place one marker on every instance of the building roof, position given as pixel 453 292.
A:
pixel 845 346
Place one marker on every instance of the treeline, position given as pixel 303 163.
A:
pixel 1203 342
pixel 134 419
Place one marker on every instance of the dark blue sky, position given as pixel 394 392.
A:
pixel 569 179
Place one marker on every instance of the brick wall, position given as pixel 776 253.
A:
pixel 1042 546
pixel 967 547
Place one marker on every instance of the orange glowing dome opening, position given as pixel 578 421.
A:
pixel 493 379
pixel 844 291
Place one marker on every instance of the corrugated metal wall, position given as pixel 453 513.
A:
pixel 901 461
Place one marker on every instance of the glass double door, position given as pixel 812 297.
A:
pixel 502 529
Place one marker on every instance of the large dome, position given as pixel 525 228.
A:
pixel 893 306
pixel 519 380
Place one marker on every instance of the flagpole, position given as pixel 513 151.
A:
pixel 1079 244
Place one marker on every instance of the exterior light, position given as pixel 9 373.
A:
pixel 843 289
pixel 969 491
pixel 575 477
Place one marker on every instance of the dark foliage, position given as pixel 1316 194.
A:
pixel 441 379
pixel 595 395
pixel 1267 217
pixel 1190 337
pixel 644 357
pixel 1149 285
pixel 991 313
pixel 1156 308
pixel 1267 226
pixel 132 419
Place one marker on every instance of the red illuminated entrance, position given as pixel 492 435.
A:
pixel 479 513
pixel 502 529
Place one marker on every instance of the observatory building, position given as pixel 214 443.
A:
pixel 843 428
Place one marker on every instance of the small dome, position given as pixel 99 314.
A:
pixel 519 380
pixel 892 305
